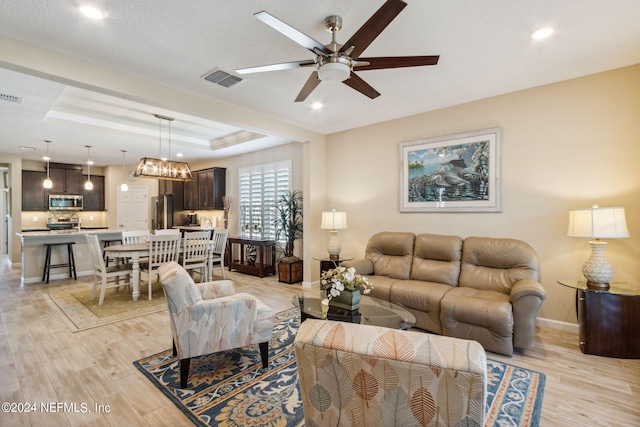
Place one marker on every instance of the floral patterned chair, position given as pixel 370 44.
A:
pixel 356 375
pixel 210 317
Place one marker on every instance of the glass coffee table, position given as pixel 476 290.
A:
pixel 372 311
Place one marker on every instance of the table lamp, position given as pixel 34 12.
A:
pixel 334 221
pixel 596 223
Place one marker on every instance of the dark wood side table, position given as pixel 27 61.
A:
pixel 251 256
pixel 327 263
pixel 608 319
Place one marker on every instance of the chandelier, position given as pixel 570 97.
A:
pixel 163 167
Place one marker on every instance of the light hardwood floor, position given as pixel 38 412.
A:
pixel 42 361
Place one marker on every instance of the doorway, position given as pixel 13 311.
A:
pixel 133 209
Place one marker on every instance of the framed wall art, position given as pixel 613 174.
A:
pixel 454 173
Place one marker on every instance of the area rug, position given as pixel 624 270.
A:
pixel 231 389
pixel 79 312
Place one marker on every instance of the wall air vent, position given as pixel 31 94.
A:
pixel 10 98
pixel 222 78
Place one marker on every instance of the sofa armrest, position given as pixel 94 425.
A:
pixel 362 266
pixel 526 298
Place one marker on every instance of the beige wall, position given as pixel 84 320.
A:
pixel 292 151
pixel 565 145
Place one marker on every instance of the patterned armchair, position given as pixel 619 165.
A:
pixel 210 317
pixel 355 375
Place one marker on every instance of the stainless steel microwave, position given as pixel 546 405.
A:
pixel 63 202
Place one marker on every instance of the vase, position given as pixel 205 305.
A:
pixel 349 300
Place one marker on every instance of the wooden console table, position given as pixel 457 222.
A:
pixel 250 256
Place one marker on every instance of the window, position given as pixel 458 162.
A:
pixel 260 188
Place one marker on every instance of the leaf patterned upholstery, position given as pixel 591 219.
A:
pixel 356 375
pixel 210 317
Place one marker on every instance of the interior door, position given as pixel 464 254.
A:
pixel 133 209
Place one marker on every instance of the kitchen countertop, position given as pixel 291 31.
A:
pixel 31 233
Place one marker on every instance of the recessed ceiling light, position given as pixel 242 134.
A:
pixel 542 33
pixel 316 105
pixel 93 12
pixel 179 154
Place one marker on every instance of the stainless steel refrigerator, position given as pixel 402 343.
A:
pixel 162 212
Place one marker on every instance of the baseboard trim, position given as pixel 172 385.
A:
pixel 556 324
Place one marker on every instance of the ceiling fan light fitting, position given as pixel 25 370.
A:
pixel 334 72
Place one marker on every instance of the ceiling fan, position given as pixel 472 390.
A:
pixel 335 62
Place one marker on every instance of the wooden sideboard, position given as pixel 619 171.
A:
pixel 251 256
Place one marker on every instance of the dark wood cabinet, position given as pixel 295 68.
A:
pixel 205 192
pixel 93 200
pixel 190 197
pixel 211 188
pixel 34 195
pixel 67 179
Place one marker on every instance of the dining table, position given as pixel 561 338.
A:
pixel 135 251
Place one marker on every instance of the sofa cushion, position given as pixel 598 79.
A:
pixel 496 264
pixel 422 299
pixel 437 258
pixel 391 254
pixel 381 286
pixel 480 315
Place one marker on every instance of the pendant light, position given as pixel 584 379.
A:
pixel 124 186
pixel 47 183
pixel 88 185
pixel 162 167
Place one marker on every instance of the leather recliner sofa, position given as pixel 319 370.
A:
pixel 478 288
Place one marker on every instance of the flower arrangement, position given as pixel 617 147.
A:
pixel 340 279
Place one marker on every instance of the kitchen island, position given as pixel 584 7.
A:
pixel 34 251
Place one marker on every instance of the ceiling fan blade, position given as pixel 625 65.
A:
pixel 396 62
pixel 361 86
pixel 308 87
pixel 373 27
pixel 276 67
pixel 295 35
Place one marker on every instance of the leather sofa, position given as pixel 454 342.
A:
pixel 478 288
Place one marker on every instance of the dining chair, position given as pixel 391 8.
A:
pixel 131 237
pixel 218 248
pixel 195 249
pixel 100 269
pixel 135 236
pixel 165 231
pixel 162 248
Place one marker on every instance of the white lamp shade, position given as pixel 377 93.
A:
pixel 597 223
pixel 334 220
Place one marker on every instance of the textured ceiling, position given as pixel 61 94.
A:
pixel 484 47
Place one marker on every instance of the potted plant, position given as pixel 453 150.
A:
pixel 288 224
pixel 344 287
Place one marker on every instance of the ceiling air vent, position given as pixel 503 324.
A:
pixel 223 78
pixel 10 98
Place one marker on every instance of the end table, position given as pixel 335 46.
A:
pixel 327 263
pixel 608 319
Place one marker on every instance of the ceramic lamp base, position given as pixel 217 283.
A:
pixel 597 270
pixel 334 247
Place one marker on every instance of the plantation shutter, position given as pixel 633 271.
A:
pixel 260 187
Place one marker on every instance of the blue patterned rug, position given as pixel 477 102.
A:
pixel 231 389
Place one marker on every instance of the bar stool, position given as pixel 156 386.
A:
pixel 71 263
pixel 107 243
